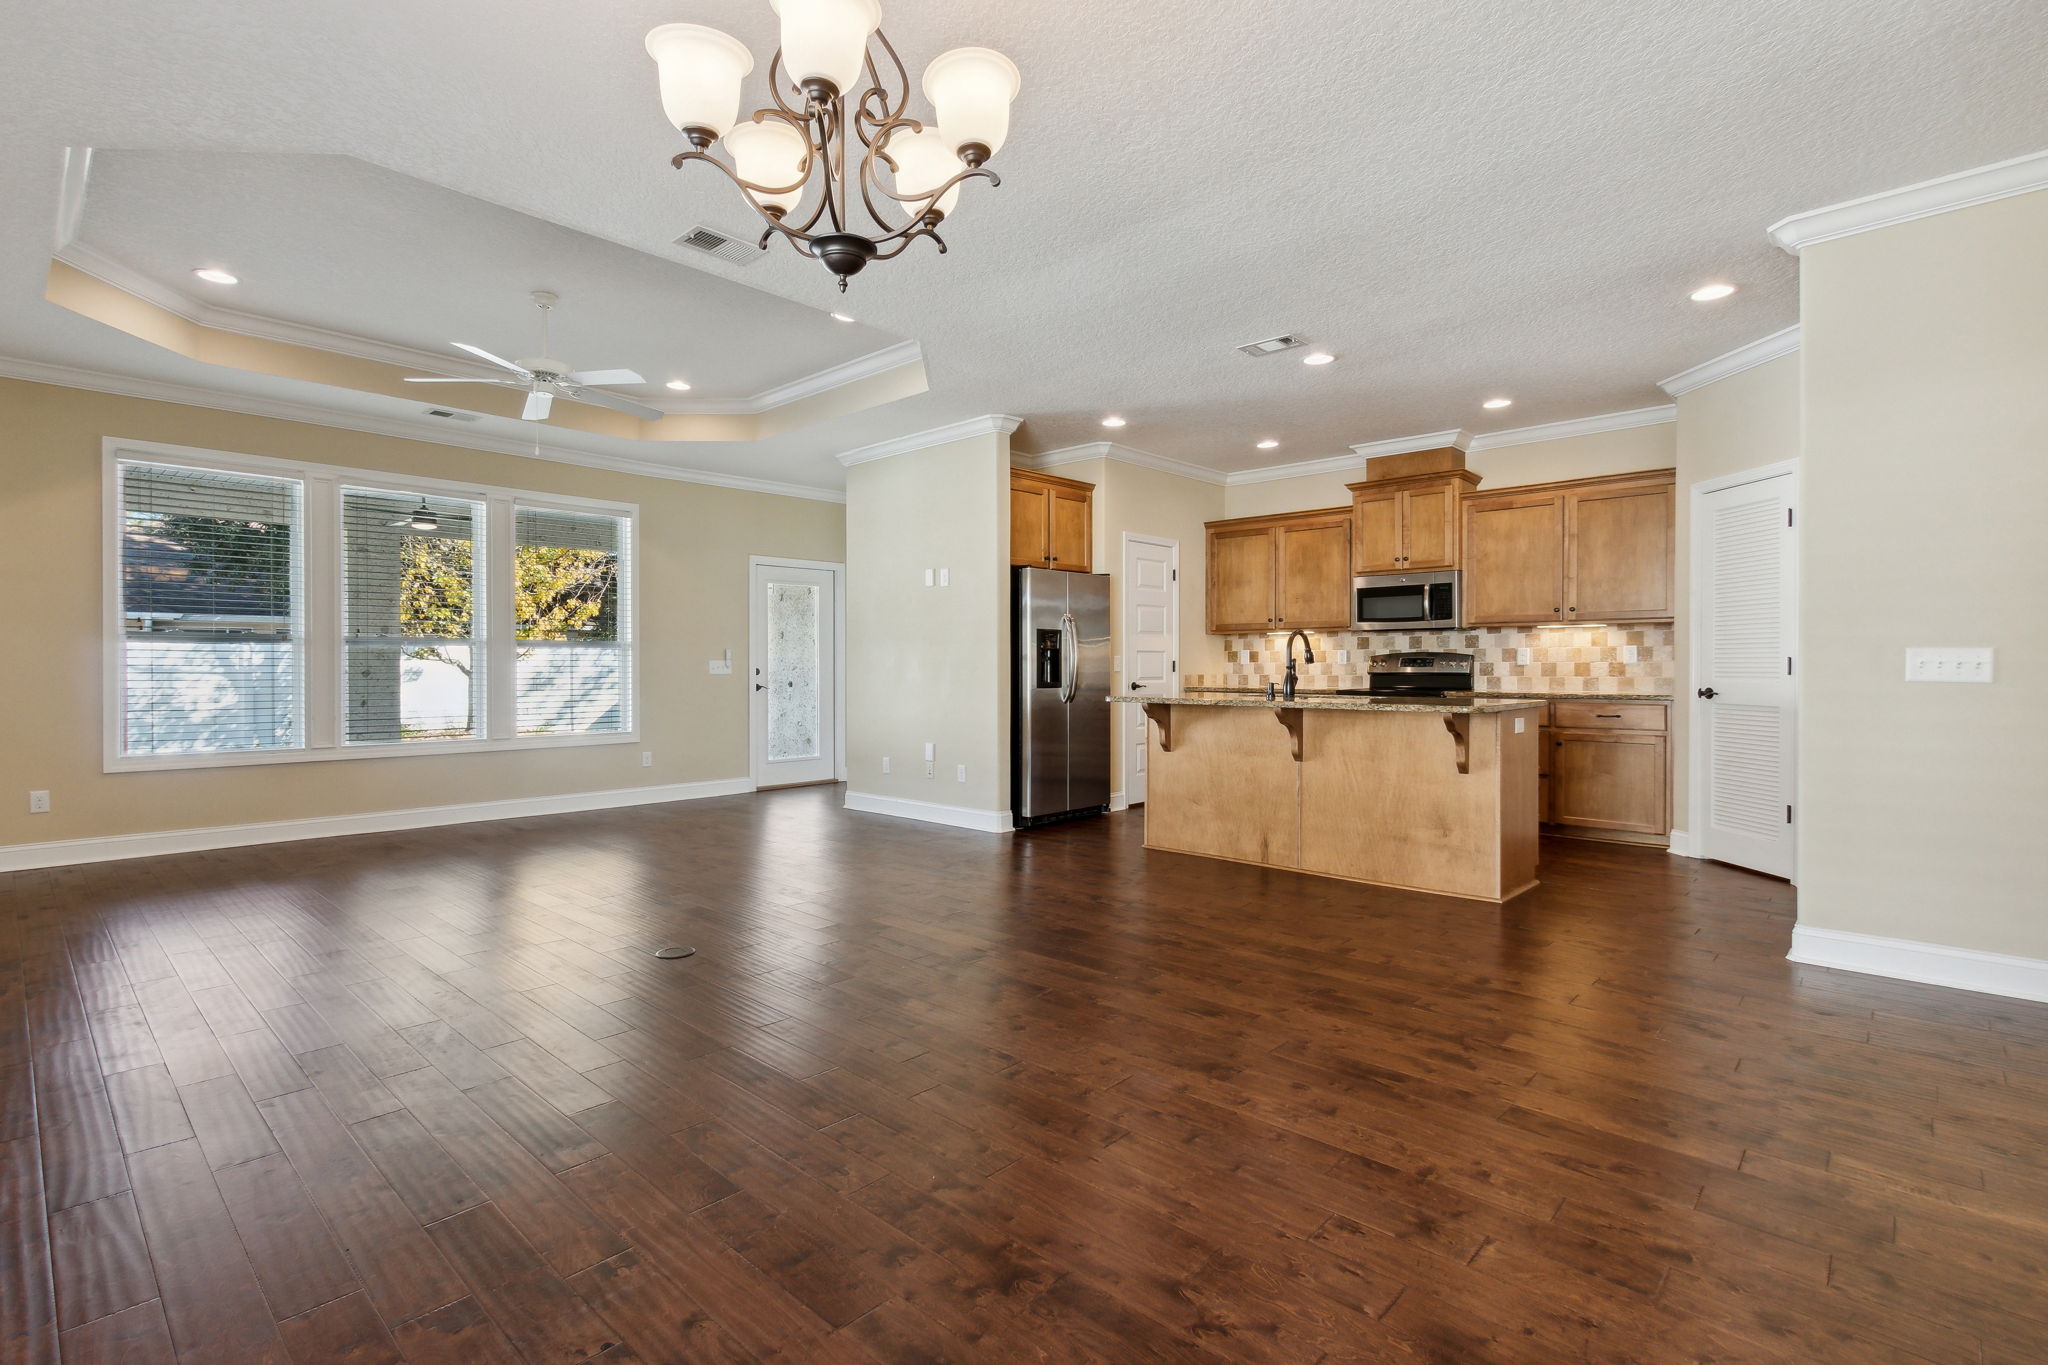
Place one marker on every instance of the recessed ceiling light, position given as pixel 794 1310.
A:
pixel 1707 293
pixel 1498 403
pixel 679 385
pixel 1268 444
pixel 1317 358
pixel 215 275
pixel 844 317
pixel 1112 421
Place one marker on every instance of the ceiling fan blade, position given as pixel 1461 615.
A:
pixel 497 360
pixel 601 377
pixel 614 402
pixel 437 379
pixel 538 404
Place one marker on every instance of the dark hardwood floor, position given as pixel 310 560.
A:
pixel 925 1095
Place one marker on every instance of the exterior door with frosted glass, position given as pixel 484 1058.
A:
pixel 793 675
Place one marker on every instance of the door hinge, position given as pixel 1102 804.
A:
pixel 1174 666
pixel 1788 815
pixel 1788 665
pixel 1788 516
pixel 1176 574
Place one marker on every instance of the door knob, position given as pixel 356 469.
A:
pixel 1707 692
pixel 1137 687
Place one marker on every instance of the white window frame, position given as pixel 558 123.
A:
pixel 324 687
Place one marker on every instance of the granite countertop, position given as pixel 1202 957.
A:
pixel 1330 701
pixel 1454 696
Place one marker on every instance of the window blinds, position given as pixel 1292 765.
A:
pixel 212 623
pixel 412 610
pixel 569 609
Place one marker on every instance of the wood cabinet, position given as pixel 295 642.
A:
pixel 1606 768
pixel 1280 573
pixel 1052 521
pixel 1591 550
pixel 1403 525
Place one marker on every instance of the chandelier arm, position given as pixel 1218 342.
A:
pixel 775 87
pixel 978 172
pixel 747 187
pixel 924 230
pixel 902 77
pixel 869 182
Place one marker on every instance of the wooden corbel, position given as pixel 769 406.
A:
pixel 1161 715
pixel 1461 732
pixel 1290 718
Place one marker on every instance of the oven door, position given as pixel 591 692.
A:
pixel 1404 602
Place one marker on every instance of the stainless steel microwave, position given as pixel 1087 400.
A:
pixel 1406 601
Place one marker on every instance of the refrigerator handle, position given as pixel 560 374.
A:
pixel 1070 650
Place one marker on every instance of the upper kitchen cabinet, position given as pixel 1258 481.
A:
pixel 1591 550
pixel 1051 521
pixel 1407 524
pixel 1280 573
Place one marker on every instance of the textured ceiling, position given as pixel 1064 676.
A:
pixel 1459 197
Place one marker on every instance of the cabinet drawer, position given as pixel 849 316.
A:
pixel 1613 715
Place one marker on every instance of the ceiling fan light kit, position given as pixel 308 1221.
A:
pixel 836 81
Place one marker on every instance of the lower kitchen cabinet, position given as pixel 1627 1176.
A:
pixel 1605 769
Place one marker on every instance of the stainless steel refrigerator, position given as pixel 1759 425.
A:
pixel 1059 712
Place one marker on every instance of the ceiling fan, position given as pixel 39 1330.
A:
pixel 422 518
pixel 544 380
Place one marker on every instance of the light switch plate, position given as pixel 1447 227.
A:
pixel 721 666
pixel 945 578
pixel 928 577
pixel 1928 664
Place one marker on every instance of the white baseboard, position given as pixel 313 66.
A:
pixel 1117 802
pixel 1681 844
pixel 65 852
pixel 960 817
pixel 1933 964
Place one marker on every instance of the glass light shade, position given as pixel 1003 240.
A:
pixel 701 70
pixel 769 153
pixel 971 89
pixel 925 161
pixel 827 39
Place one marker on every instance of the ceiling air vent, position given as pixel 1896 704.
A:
pixel 712 242
pixel 452 415
pixel 1271 344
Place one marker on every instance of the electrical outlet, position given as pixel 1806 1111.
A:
pixel 931 770
pixel 1631 654
pixel 885 765
pixel 38 803
pixel 721 667
pixel 1521 724
pixel 1524 656
pixel 647 758
pixel 960 773
pixel 1949 665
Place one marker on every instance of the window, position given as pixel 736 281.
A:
pixel 568 594
pixel 212 642
pixel 414 638
pixel 264 611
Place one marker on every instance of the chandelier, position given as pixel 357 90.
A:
pixel 796 163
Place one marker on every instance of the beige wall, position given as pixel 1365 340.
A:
pixel 1574 457
pixel 1745 421
pixel 693 584
pixel 930 664
pixel 1924 378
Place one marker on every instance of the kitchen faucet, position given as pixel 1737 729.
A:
pixel 1308 656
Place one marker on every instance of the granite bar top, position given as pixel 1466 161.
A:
pixel 1330 701
pixel 1452 696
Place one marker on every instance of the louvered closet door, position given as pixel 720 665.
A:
pixel 1746 636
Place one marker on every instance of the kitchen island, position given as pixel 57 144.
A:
pixel 1424 795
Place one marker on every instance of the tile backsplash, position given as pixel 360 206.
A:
pixel 1566 660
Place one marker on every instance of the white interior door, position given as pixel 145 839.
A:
pixel 794 663
pixel 1151 643
pixel 1745 594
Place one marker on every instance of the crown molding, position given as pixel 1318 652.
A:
pixel 1122 454
pixel 988 424
pixel 105 268
pixel 1981 185
pixel 1302 469
pixel 1456 437
pixel 128 386
pixel 1576 426
pixel 1746 357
